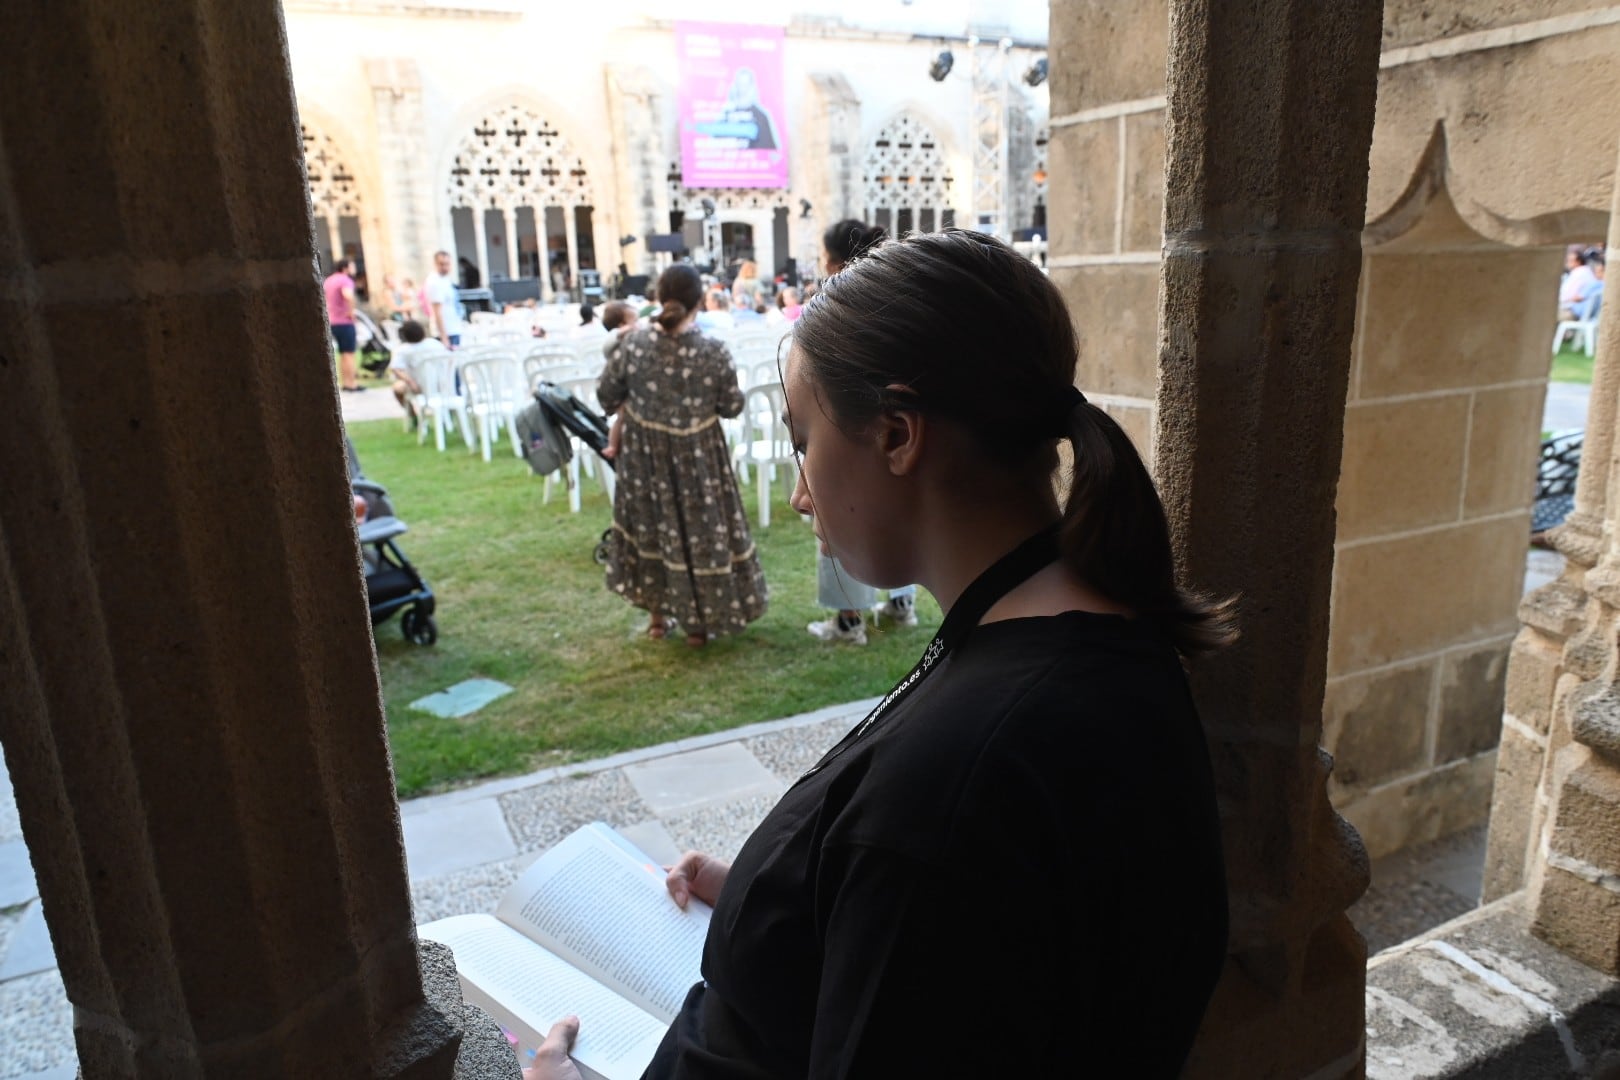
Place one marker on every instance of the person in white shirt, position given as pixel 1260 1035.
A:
pixel 589 325
pixel 1578 282
pixel 444 315
pixel 716 314
pixel 413 341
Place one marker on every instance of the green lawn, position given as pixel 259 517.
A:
pixel 520 600
pixel 1571 365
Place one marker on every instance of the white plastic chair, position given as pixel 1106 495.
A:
pixel 765 442
pixel 495 391
pixel 1585 330
pixel 584 459
pixel 481 318
pixel 436 375
pixel 537 368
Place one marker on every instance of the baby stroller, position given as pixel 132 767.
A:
pixel 547 450
pixel 392 583
pixel 373 343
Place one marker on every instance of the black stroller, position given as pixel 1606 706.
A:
pixel 374 350
pixel 392 583
pixel 566 411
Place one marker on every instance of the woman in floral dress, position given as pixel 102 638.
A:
pixel 680 548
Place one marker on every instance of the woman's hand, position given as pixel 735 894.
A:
pixel 696 874
pixel 551 1060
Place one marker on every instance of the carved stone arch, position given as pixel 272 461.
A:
pixel 690 200
pixel 339 189
pixel 1393 211
pixel 515 155
pixel 520 198
pixel 906 170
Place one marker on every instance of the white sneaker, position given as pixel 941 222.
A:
pixel 829 630
pixel 888 609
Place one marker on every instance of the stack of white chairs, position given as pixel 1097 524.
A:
pixel 765 443
pixel 550 356
pixel 495 390
pixel 435 373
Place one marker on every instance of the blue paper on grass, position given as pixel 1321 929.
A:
pixel 462 699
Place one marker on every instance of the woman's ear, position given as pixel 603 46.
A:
pixel 901 435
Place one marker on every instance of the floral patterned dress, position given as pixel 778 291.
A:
pixel 680 544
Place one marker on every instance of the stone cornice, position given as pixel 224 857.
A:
pixel 421 9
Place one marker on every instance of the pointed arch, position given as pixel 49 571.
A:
pixel 342 203
pixel 520 195
pixel 906 176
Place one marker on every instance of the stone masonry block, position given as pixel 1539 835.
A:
pixel 1503 449
pixel 1426 807
pixel 1469 720
pixel 1587 824
pixel 1104 52
pixel 1116 315
pixel 1532 672
pixel 1403 465
pixel 1476 324
pixel 1144 181
pixel 1137 422
pixel 1375 725
pixel 1580 918
pixel 1513 799
pixel 1084 209
pixel 1420 594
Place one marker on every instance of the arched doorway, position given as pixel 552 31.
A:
pixel 908 184
pixel 334 200
pixel 521 204
pixel 747 224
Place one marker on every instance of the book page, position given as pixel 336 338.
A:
pixel 594 903
pixel 527 989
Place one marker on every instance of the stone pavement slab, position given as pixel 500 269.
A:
pixel 699 778
pixel 17 884
pixel 462 699
pixel 456 838
pixel 28 946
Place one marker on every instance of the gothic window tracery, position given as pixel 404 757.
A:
pixel 515 157
pixel 332 190
pixel 690 200
pixel 908 184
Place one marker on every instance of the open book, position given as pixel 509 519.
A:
pixel 588 929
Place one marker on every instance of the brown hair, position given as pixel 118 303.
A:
pixel 616 314
pixel 680 290
pixel 847 239
pixel 980 336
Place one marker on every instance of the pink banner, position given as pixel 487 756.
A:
pixel 732 109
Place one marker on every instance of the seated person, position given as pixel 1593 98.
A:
pixel 412 336
pixel 717 312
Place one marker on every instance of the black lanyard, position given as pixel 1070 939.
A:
pixel 1003 576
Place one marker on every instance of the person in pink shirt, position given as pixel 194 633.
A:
pixel 339 290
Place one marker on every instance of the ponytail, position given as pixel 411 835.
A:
pixel 1115 535
pixel 671 315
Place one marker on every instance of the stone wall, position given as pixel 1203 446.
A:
pixel 1485 157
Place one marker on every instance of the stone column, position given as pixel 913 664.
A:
pixel 404 165
pixel 571 239
pixel 481 239
pixel 636 108
pixel 189 702
pixel 832 161
pixel 1268 129
pixel 1574 849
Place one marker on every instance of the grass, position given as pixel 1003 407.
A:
pixel 1571 365
pixel 520 600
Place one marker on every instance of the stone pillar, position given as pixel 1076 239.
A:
pixel 189 702
pixel 403 163
pixel 1268 129
pixel 481 239
pixel 1561 826
pixel 512 263
pixel 636 108
pixel 571 239
pixel 832 162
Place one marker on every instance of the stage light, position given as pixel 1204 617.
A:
pixel 941 66
pixel 626 240
pixel 804 208
pixel 1036 73
pixel 708 207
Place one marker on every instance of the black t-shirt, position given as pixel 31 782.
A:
pixel 1015 872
